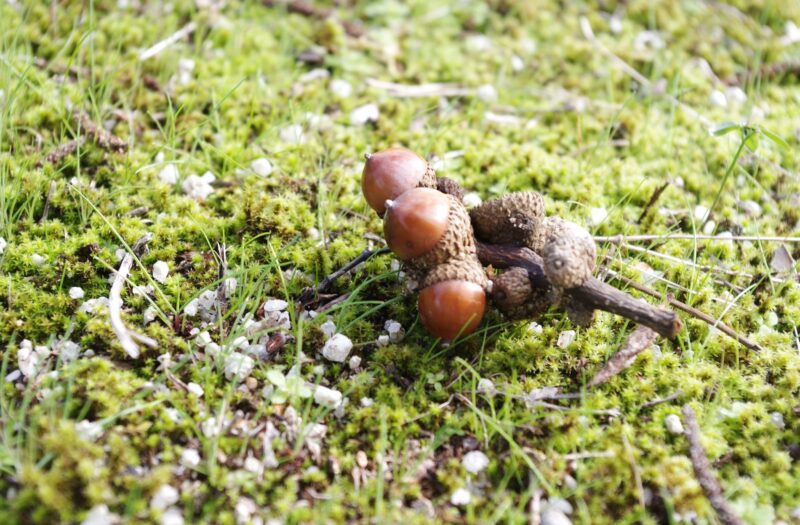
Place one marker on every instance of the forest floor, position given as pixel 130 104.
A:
pixel 198 164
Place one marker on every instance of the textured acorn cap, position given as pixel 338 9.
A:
pixel 464 269
pixel 515 297
pixel 515 218
pixel 569 253
pixel 450 187
pixel 458 241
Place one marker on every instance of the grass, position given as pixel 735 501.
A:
pixel 586 136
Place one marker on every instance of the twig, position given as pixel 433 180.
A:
pixel 100 136
pixel 64 150
pixel 653 198
pixel 420 90
pixel 685 262
pixel 618 239
pixel 125 336
pixel 594 293
pixel 46 210
pixel 671 397
pixel 716 323
pixel 639 340
pixel 162 45
pixel 310 293
pixel 704 473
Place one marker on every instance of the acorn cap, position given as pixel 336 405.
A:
pixel 511 219
pixel 515 297
pixel 465 269
pixel 458 241
pixel 450 187
pixel 569 253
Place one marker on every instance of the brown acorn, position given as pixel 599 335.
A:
pixel 425 228
pixel 390 173
pixel 569 253
pixel 515 296
pixel 514 219
pixel 449 309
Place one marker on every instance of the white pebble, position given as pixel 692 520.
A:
pixel 253 465
pixel 649 40
pixel 460 497
pixel 718 98
pixel 554 516
pixel 160 271
pixel 472 200
pixel 30 359
pixel 487 93
pixel 13 376
pixel 200 187
pixel 165 496
pixel 597 216
pixel 565 338
pixel 736 95
pixel 185 69
pixel 337 348
pixel 328 328
pixel 88 430
pixel 708 228
pixel 485 386
pixel 340 88
pixel 172 516
pixel 169 174
pixel 210 427
pixel 673 424
pixel 190 458
pixel 517 64
pixel 366 402
pixel 261 167
pixel 615 25
pixel 535 327
pixel 3 245
pixel 700 213
pixel 327 397
pixel 355 362
pixel 238 366
pixel 313 75
pixel 240 342
pixel 792 35
pixel 293 134
pixel 244 510
pixel 750 208
pixel 383 340
pixel 195 389
pixel 777 420
pixel 68 351
pixel 275 305
pixel 364 114
pixel 475 461
pixel 37 259
pixel 782 260
pixel 395 331
pixel 100 515
pixel 202 339
pixel 76 292
pixel 479 43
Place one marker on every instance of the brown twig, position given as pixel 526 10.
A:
pixel 309 294
pixel 727 330
pixel 60 152
pixel 704 473
pixel 639 340
pixel 100 136
pixel 594 293
pixel 655 402
pixel 653 199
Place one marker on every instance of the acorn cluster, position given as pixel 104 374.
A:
pixel 428 228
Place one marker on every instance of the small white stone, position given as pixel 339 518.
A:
pixel 13 376
pixel 736 95
pixel 649 40
pixel 195 389
pixel 782 260
pixel 565 338
pixel 30 359
pixel 709 227
pixel 383 340
pixel 37 259
pixel 726 238
pixel 244 509
pixel 190 458
pixel 700 212
pixel 202 339
pixel 364 114
pixel 160 271
pixel 750 208
pixel 253 465
pixel 395 331
pixel 88 430
pixel 460 497
pixel 100 515
pixel 313 234
pixel 472 200
pixel 554 516
pixel 313 75
pixel 185 69
pixel 238 366
pixel 777 420
pixel 337 348
pixel 535 327
pixel 172 516
pixel 76 292
pixel 792 35
pixel 560 504
pixel 718 98
pixel 485 386
pixel 240 342
pixel 597 216
pixel 261 167
pixel 3 245
pixel 615 25
pixel 517 64
pixel 169 174
pixel 293 134
pixel 487 93
pixel 210 427
pixel 475 461
pixel 673 424
pixel 366 402
pixel 69 351
pixel 328 328
pixel 355 362
pixel 275 305
pixel 479 43
pixel 327 397
pixel 200 187
pixel 340 88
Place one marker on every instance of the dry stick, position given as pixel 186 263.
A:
pixel 704 472
pixel 727 330
pixel 653 198
pixel 64 150
pixel 667 399
pixel 309 293
pixel 46 210
pixel 126 337
pixel 618 239
pixel 594 293
pixel 639 340
pixel 420 90
pixel 100 136
pixel 162 45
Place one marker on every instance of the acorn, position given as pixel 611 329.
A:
pixel 425 228
pixel 390 173
pixel 569 253
pixel 514 295
pixel 514 219
pixel 453 298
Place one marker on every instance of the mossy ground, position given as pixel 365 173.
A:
pixel 586 135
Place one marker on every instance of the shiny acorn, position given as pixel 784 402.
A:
pixel 390 173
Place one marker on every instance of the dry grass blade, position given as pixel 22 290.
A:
pixel 639 340
pixel 704 472
pixel 619 239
